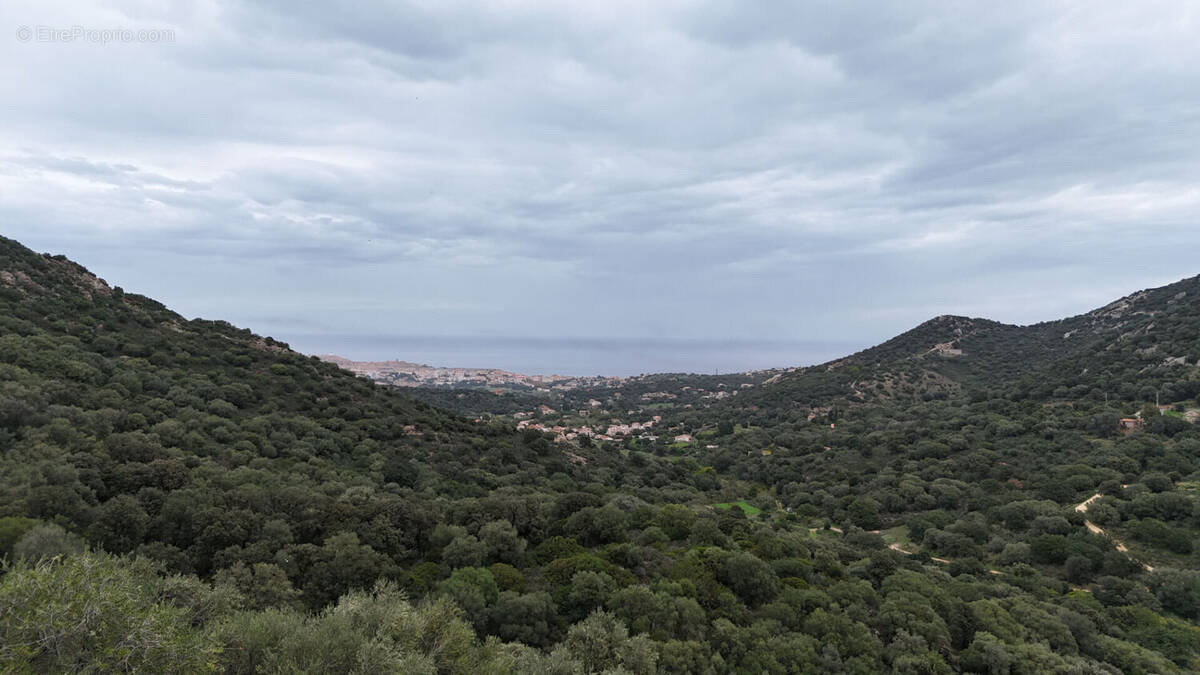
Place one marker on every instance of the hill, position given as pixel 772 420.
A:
pixel 1149 338
pixel 189 441
pixel 184 496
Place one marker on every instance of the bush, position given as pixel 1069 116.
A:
pixel 11 530
pixel 47 541
pixel 602 643
pixel 750 578
pixel 87 612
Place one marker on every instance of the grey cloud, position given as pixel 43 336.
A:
pixel 823 171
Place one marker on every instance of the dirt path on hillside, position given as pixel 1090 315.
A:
pixel 1082 507
pixel 944 561
pixel 897 549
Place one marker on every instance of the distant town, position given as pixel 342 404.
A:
pixel 407 374
pixel 578 410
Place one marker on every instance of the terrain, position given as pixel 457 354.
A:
pixel 185 496
pixel 406 374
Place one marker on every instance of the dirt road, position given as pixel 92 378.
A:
pixel 1082 507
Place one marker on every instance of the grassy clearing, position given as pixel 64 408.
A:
pixel 896 535
pixel 746 508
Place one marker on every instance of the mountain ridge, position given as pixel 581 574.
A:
pixel 1148 332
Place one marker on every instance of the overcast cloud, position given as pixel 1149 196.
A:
pixel 710 171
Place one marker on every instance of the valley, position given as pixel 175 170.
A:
pixel 181 495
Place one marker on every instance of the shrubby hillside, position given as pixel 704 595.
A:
pixel 183 496
pixel 1126 350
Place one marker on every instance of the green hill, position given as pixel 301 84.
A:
pixel 1146 342
pixel 194 442
pixel 183 496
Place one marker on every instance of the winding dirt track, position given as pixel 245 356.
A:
pixel 1082 507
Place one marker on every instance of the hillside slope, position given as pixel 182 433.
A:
pixel 184 496
pixel 195 442
pixel 1151 337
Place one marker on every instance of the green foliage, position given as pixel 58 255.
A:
pixel 530 618
pixel 750 578
pixel 676 520
pixel 602 643
pixel 81 611
pixel 44 542
pixel 11 530
pixel 262 585
pixel 269 507
pixel 557 547
pixel 743 506
pixel 474 590
pixel 365 632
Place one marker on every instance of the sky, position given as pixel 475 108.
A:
pixel 713 185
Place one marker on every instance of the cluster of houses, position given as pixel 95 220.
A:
pixel 614 431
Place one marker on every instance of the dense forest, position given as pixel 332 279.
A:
pixel 184 496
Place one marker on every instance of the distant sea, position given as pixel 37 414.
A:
pixel 575 356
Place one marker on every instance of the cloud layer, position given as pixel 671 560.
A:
pixel 710 170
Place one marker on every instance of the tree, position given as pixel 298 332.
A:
pixel 706 532
pixel 530 618
pixel 47 541
pixel 910 655
pixel 507 577
pixel 1016 552
pixel 375 631
pixel 119 524
pixel 502 541
pixel 588 591
pixel 342 564
pixel 864 512
pixel 11 530
pixel 595 526
pixel 553 548
pixel 262 585
pixel 474 590
pixel 464 551
pixel 750 578
pixel 1177 590
pixel 90 612
pixel 676 520
pixel 987 654
pixel 601 642
pixel 1157 481
pixel 1079 569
